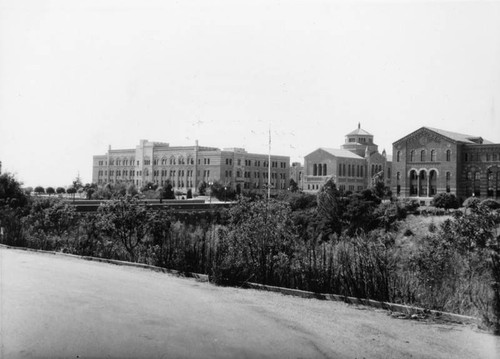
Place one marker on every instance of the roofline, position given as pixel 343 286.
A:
pixel 428 129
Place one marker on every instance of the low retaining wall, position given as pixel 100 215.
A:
pixel 404 309
pixel 198 276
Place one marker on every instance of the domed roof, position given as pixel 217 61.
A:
pixel 359 131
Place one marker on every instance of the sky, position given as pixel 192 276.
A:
pixel 78 76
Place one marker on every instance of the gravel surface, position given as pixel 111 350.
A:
pixel 61 307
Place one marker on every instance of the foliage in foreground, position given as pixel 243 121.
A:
pixel 296 241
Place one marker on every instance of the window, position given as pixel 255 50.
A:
pixel 433 155
pixel 448 155
pixel 412 156
pixel 422 155
pixel 398 156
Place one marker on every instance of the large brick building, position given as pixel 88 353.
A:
pixel 430 161
pixel 354 166
pixel 187 166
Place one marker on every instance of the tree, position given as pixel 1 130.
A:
pixel 475 234
pixel 293 186
pixel 77 183
pixel 189 194
pixel 126 221
pixel 360 209
pixel 11 193
pixel 202 188
pixel 50 191
pixel 330 207
pixel 13 205
pixel 89 189
pixel 60 190
pixel 28 190
pixel 258 243
pixel 72 191
pixel 39 190
pixel 168 192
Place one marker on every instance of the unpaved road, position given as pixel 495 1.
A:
pixel 60 307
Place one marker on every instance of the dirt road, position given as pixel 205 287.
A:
pixel 59 307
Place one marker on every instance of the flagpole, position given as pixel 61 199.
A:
pixel 269 166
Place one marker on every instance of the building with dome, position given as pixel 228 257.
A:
pixel 354 167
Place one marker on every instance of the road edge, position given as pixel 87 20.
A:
pixel 405 310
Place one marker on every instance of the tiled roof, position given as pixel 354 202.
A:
pixel 359 131
pixel 459 137
pixel 341 153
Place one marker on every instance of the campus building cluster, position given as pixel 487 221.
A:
pixel 426 162
pixel 186 167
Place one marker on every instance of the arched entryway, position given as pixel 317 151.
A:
pixel 432 182
pixel 422 184
pixel 493 182
pixel 413 183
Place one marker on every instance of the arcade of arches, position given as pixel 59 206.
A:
pixel 424 182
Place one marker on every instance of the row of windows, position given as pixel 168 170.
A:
pixel 423 156
pixel 422 175
pixel 351 170
pixel 319 169
pixel 470 157
pixel 190 161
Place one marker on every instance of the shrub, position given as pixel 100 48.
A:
pixel 445 200
pixel 490 203
pixel 471 202
pixel 410 205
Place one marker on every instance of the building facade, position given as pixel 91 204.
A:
pixel 430 161
pixel 188 166
pixel 297 174
pixel 354 167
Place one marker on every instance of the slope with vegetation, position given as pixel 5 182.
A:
pixel 353 244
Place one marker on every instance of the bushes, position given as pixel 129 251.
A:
pixel 311 247
pixel 446 201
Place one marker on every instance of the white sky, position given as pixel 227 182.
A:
pixel 76 76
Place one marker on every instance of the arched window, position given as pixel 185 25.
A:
pixel 320 170
pixel 315 170
pixel 412 156
pixel 448 155
pixel 340 169
pixel 324 169
pixel 422 155
pixel 398 155
pixel 448 180
pixel 433 155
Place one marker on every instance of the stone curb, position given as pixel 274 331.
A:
pixel 404 309
pixel 197 276
pixel 393 307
